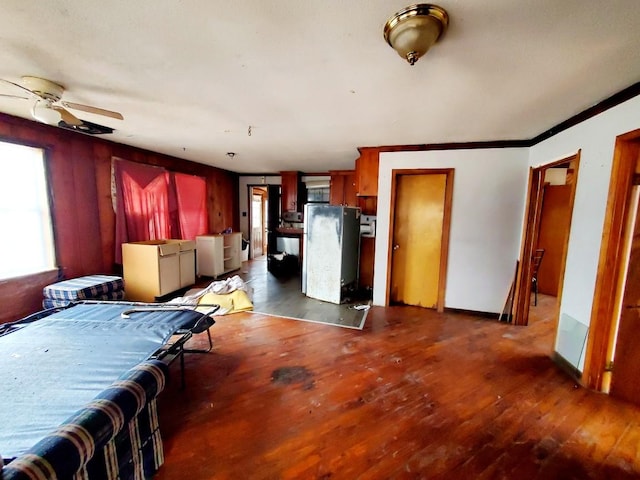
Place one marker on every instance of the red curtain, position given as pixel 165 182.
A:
pixel 191 197
pixel 142 203
pixel 152 203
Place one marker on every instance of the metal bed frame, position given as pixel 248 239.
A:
pixel 167 353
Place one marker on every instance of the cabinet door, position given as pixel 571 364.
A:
pixel 141 271
pixel 209 255
pixel 169 267
pixel 236 250
pixel 343 188
pixel 367 172
pixel 233 243
pixel 289 191
pixel 187 268
pixel 350 197
pixel 367 254
pixel 336 189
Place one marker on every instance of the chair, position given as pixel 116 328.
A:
pixel 536 260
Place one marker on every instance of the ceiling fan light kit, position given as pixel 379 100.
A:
pixel 415 29
pixel 43 112
pixel 48 107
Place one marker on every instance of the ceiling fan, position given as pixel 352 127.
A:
pixel 48 107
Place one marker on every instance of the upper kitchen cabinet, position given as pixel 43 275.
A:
pixel 367 172
pixel 343 188
pixel 293 193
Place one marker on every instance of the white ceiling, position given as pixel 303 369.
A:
pixel 314 79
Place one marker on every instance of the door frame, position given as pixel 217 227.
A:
pixel 446 227
pixel 610 264
pixel 250 219
pixel 535 190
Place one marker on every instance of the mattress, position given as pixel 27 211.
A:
pixel 53 303
pixel 84 288
pixel 54 366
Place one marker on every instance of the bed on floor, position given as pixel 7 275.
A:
pixel 79 387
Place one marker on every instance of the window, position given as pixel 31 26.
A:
pixel 318 195
pixel 26 245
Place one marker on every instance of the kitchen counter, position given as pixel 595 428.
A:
pixel 289 231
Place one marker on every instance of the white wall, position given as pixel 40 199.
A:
pixel 487 217
pixel 596 138
pixel 489 190
pixel 243 193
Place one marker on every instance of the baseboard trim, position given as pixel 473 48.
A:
pixel 567 367
pixel 475 313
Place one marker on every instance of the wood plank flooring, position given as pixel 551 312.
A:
pixel 416 394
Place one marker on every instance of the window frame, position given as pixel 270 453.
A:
pixel 46 170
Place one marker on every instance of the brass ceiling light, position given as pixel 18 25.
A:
pixel 413 30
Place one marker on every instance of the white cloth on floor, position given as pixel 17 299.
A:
pixel 219 287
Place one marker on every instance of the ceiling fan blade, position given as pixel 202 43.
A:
pixel 96 110
pixel 12 96
pixel 67 116
pixel 16 85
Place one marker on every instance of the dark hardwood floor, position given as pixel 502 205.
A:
pixel 415 394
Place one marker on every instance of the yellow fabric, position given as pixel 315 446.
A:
pixel 236 301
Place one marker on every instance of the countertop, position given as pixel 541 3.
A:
pixel 290 231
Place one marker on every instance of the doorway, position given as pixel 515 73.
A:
pixel 545 238
pixel 612 359
pixel 555 222
pixel 257 221
pixel 419 235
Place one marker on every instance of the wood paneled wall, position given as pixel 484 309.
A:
pixel 79 171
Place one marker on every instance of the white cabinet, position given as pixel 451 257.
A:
pixel 155 268
pixel 218 254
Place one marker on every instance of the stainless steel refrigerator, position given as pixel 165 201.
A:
pixel 331 250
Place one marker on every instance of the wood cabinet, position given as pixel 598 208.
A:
pixel 218 254
pixel 293 193
pixel 342 189
pixel 367 264
pixel 366 181
pixel 155 268
pixel 367 172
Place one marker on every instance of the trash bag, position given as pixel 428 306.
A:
pixel 282 264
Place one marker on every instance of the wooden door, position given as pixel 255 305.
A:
pixel 533 213
pixel 626 360
pixel 257 226
pixel 555 221
pixel 417 239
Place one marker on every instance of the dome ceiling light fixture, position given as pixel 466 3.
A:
pixel 414 29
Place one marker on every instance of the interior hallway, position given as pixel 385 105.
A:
pixel 415 394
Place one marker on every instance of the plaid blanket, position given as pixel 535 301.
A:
pixel 116 436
